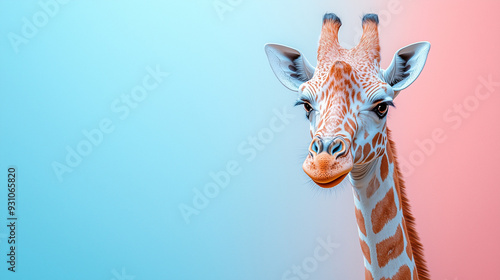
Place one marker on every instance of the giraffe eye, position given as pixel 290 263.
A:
pixel 381 109
pixel 308 107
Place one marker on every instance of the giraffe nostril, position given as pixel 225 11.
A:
pixel 316 146
pixel 337 147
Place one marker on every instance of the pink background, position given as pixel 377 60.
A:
pixel 454 189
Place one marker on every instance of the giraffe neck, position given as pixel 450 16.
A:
pixel 382 228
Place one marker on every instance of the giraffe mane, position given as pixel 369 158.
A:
pixel 416 245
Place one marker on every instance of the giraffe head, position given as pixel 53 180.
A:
pixel 346 97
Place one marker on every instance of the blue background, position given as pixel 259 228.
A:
pixel 117 213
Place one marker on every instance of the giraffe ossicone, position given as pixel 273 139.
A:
pixel 347 97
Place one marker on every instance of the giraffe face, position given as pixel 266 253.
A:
pixel 346 96
pixel 347 109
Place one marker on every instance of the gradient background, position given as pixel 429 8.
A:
pixel 116 216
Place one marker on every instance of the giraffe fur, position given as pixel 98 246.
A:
pixel 347 100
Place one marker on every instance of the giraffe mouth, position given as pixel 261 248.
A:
pixel 326 171
pixel 332 183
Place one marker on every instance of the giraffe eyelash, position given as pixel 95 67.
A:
pixel 305 102
pixel 299 102
pixel 390 103
pixel 302 102
pixel 380 101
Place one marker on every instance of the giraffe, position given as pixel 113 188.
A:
pixel 346 98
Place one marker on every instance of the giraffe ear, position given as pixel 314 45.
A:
pixel 406 65
pixel 289 65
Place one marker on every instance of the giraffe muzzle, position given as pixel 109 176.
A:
pixel 328 162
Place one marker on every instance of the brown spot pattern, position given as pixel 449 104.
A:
pixel 348 129
pixel 384 211
pixel 352 123
pixel 375 139
pixel 391 248
pixel 404 273
pixel 372 186
pixel 338 73
pixel 366 149
pixel 358 153
pixel 366 251
pixel 358 96
pixel 370 156
pixel 361 221
pixel 384 168
pixel 368 275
